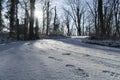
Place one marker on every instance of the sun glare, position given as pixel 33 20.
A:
pixel 38 14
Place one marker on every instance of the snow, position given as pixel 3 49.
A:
pixel 110 43
pixel 58 59
pixel 3 38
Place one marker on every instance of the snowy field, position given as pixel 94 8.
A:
pixel 58 59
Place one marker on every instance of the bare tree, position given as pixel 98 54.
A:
pixel 83 21
pixel 25 5
pixel 108 16
pixel 16 19
pixel 48 17
pixel 56 22
pixel 37 29
pixel 43 17
pixel 12 17
pixel 55 18
pixel 105 16
pixel 76 12
pixel 94 12
pixel 1 20
pixel 67 21
pixel 100 19
pixel 111 18
pixel 46 9
pixel 32 9
pixel 116 10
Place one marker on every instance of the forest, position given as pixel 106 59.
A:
pixel 24 20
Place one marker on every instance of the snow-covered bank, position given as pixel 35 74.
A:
pixel 58 59
pixel 109 43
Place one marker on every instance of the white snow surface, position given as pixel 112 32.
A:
pixel 110 43
pixel 58 59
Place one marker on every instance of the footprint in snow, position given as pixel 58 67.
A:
pixel 81 72
pixel 87 55
pixel 66 54
pixel 77 71
pixel 111 73
pixel 69 65
pixel 54 58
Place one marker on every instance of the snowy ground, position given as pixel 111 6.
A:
pixel 110 43
pixel 58 59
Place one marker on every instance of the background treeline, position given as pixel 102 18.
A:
pixel 97 18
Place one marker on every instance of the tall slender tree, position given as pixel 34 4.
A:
pixel 25 5
pixel 1 21
pixel 32 9
pixel 55 18
pixel 48 17
pixel 100 18
pixel 76 13
pixel 94 13
pixel 12 17
pixel 37 29
pixel 67 21
pixel 43 18
pixel 16 19
pixel 116 10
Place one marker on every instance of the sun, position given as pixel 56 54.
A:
pixel 38 14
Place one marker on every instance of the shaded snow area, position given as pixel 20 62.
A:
pixel 58 59
pixel 109 43
pixel 3 38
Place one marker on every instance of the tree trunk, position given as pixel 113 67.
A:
pixel 79 31
pixel 43 30
pixel 100 18
pixel 48 21
pixel 32 9
pixel 12 17
pixel 25 29
pixel 55 17
pixel 37 29
pixel 79 21
pixel 1 15
pixel 18 30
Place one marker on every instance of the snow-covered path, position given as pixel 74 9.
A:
pixel 58 59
